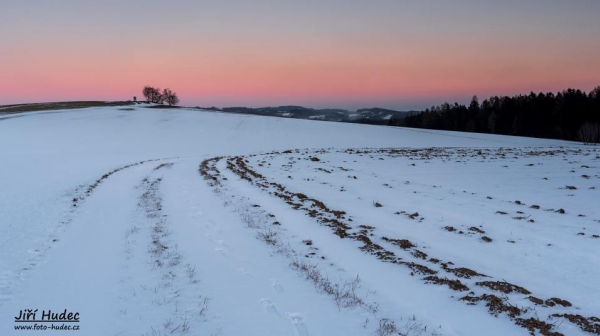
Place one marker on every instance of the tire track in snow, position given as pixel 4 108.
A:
pixel 10 278
pixel 87 259
pixel 247 292
pixel 166 287
pixel 250 215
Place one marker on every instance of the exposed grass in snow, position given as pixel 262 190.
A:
pixel 345 293
pixel 267 171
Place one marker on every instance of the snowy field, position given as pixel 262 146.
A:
pixel 176 222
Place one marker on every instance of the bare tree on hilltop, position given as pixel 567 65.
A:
pixel 170 97
pixel 153 95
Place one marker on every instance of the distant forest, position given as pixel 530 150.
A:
pixel 568 115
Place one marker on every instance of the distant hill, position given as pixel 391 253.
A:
pixel 375 115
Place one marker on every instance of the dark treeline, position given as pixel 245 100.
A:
pixel 568 115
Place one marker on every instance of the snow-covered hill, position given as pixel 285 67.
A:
pixel 182 222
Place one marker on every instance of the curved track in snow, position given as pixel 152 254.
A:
pixel 154 249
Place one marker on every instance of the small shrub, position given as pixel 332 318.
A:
pixel 386 327
pixel 268 236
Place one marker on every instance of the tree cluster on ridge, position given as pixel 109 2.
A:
pixel 154 95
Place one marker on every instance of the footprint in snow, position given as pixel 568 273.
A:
pixel 298 322
pixel 244 271
pixel 5 295
pixel 270 307
pixel 223 251
pixel 277 286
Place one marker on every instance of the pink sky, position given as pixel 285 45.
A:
pixel 350 54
